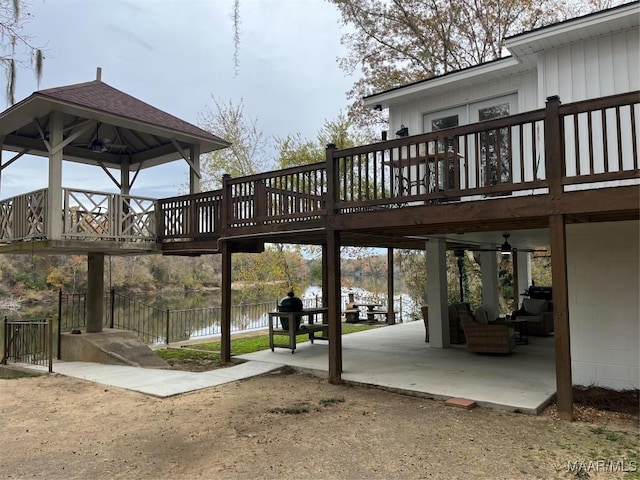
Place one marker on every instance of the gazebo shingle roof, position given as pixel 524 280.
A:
pixel 98 95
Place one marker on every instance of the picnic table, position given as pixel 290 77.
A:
pixel 309 327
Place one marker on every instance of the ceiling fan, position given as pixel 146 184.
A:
pixel 100 145
pixel 505 248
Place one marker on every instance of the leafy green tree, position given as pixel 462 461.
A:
pixel 397 42
pixel 294 150
pixel 269 274
pixel 248 152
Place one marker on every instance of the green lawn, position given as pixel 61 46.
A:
pixel 239 346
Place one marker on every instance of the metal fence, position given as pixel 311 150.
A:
pixel 155 325
pixel 28 341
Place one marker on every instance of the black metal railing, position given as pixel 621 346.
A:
pixel 28 341
pixel 155 325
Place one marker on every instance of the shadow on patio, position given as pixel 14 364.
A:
pixel 397 358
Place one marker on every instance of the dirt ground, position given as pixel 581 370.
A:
pixel 290 425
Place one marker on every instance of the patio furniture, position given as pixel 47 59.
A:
pixel 487 338
pixel 538 313
pixel 456 333
pixel 292 329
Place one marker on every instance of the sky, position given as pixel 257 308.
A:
pixel 177 55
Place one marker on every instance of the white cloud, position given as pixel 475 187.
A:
pixel 176 54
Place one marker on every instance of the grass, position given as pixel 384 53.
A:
pixel 210 351
pixel 331 401
pixel 254 343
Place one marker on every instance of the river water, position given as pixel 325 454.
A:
pixel 197 314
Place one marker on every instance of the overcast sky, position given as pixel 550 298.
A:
pixel 176 55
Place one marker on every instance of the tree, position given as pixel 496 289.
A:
pixel 16 47
pixel 248 152
pixel 294 150
pixel 269 274
pixel 396 42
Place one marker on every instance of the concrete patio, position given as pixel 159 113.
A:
pixel 398 359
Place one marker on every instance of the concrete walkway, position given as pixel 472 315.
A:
pixel 397 358
pixel 154 381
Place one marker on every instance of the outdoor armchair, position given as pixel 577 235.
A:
pixel 491 338
pixel 538 313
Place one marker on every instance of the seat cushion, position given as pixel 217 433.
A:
pixel 481 316
pixel 535 306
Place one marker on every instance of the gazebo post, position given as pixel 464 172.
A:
pixel 54 205
pixel 95 291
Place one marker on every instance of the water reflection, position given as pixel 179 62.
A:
pixel 190 315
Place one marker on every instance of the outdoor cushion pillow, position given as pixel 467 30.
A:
pixel 535 306
pixel 480 314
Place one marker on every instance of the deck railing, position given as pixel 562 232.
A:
pixel 23 217
pixel 190 217
pixel 601 141
pixel 582 145
pixel 91 215
pixel 290 195
pixel 86 215
pixel 502 156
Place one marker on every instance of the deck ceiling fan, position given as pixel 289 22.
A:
pixel 100 145
pixel 505 248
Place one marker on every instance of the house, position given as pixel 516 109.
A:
pixel 582 59
pixel 542 145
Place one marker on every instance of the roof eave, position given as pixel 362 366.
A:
pixel 37 105
pixel 390 97
pixel 530 39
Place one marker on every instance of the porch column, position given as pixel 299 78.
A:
pixel 54 205
pixel 561 334
pixel 436 251
pixel 194 170
pixel 555 169
pixel 325 277
pixel 391 315
pixel 95 292
pixel 125 168
pixel 490 289
pixel 225 313
pixel 524 273
pixel 333 303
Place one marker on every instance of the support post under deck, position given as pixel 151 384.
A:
pixel 95 292
pixel 225 320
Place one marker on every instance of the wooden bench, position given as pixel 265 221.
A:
pixel 310 327
pixel 371 315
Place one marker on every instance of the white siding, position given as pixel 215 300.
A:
pixel 411 114
pixel 592 68
pixel 604 308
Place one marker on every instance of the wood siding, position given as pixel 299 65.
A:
pixel 593 68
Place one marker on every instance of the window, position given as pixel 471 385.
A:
pixel 444 122
pixel 496 111
pixel 488 154
pixel 494 147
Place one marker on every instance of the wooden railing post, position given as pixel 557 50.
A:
pixel 332 190
pixel 553 151
pixel 555 168
pixel 225 204
pixel 260 201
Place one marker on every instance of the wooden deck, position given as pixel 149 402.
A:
pixel 578 160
